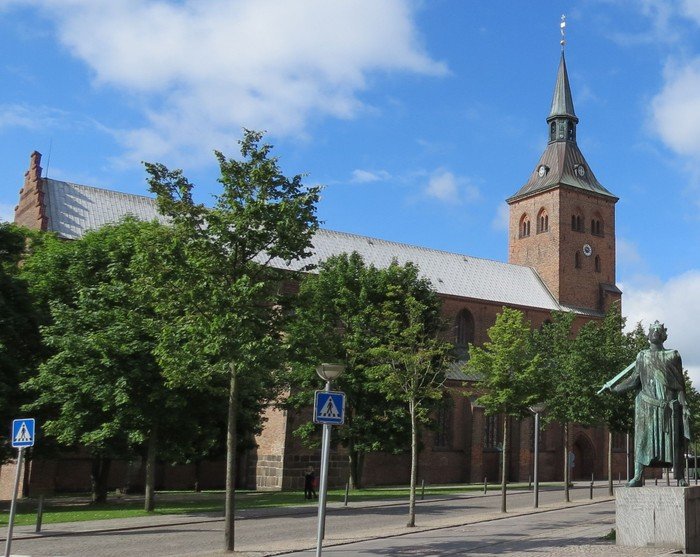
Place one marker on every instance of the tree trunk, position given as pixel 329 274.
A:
pixel 230 463
pixel 504 461
pixel 99 476
pixel 355 465
pixel 567 468
pixel 610 460
pixel 197 476
pixel 414 466
pixel 149 499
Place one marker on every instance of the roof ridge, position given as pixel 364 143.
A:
pixel 422 248
pixel 74 184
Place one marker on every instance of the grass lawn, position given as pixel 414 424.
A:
pixel 76 508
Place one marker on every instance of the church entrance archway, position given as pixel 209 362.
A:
pixel 584 458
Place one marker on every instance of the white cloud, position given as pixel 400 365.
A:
pixel 7 212
pixel 627 252
pixel 360 176
pixel 28 117
pixel 675 303
pixel 447 187
pixel 676 109
pixel 691 10
pixel 502 219
pixel 204 68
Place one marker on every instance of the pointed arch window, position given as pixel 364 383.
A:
pixel 597 226
pixel 443 424
pixel 597 264
pixel 524 228
pixel 577 260
pixel 491 433
pixel 464 333
pixel 542 221
pixel 552 131
pixel 577 223
pixel 570 131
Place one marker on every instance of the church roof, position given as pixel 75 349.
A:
pixel 562 102
pixel 451 274
pixel 564 165
pixel 75 209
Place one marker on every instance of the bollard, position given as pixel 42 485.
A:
pixel 656 481
pixel 529 482
pixel 422 489
pixel 485 485
pixel 590 496
pixel 619 477
pixel 39 513
pixel 347 493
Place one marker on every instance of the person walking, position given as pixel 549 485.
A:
pixel 310 484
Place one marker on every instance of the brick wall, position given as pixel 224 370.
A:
pixel 30 210
pixel 552 253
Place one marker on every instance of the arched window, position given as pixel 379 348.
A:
pixel 443 423
pixel 577 260
pixel 542 221
pixel 491 433
pixel 570 131
pixel 597 225
pixel 577 223
pixel 464 331
pixel 524 229
pixel 597 264
pixel 553 131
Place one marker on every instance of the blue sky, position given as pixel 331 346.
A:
pixel 419 117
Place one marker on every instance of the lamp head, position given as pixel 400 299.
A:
pixel 538 408
pixel 330 372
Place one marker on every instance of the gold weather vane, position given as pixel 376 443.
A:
pixel 562 26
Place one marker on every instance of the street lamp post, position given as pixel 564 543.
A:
pixel 327 372
pixel 537 409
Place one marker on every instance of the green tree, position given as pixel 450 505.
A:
pixel 101 387
pixel 568 389
pixel 510 375
pixel 613 351
pixel 217 289
pixel 338 319
pixel 692 398
pixel 412 358
pixel 20 348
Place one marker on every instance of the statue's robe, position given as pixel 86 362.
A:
pixel 660 425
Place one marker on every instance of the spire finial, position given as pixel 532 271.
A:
pixel 562 26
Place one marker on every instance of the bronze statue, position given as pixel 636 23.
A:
pixel 661 428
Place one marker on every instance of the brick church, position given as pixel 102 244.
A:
pixel 561 256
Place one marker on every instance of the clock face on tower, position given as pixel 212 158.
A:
pixel 587 250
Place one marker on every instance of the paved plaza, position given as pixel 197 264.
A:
pixel 451 525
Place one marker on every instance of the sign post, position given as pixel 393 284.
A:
pixel 329 409
pixel 23 435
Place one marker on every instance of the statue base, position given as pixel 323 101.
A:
pixel 660 516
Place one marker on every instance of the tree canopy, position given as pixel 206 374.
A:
pixel 216 288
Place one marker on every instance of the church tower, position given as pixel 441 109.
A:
pixel 562 221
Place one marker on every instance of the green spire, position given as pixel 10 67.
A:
pixel 562 103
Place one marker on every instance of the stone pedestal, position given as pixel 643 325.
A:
pixel 660 516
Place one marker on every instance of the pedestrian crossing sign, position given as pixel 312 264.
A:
pixel 329 407
pixel 23 433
